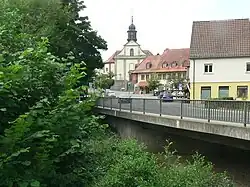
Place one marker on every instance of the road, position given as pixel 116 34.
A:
pixel 191 110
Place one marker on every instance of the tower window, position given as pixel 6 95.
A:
pixel 132 52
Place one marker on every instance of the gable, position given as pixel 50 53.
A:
pixel 132 48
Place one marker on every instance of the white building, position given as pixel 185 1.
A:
pixel 220 59
pixel 122 62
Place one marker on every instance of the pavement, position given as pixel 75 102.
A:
pixel 191 110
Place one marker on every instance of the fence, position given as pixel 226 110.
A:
pixel 229 111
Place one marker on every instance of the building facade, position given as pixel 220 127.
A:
pixel 170 67
pixel 124 61
pixel 220 59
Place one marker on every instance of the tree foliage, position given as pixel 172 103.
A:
pixel 50 139
pixel 153 82
pixel 60 21
pixel 104 81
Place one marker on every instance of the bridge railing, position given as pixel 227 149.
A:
pixel 216 110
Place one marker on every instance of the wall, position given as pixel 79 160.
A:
pixel 123 66
pixel 156 137
pixel 131 45
pixel 110 67
pixel 224 70
pixel 163 81
pixel 215 89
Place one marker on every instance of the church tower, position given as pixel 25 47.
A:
pixel 132 31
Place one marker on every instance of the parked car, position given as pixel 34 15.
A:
pixel 167 97
pixel 160 95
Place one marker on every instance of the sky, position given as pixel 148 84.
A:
pixel 160 24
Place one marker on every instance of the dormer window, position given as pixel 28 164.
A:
pixel 132 52
pixel 148 65
pixel 174 64
pixel 164 65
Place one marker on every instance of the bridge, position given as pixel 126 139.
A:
pixel 223 122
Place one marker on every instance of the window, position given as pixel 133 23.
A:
pixel 159 76
pixel 142 77
pixel 147 77
pixel 164 77
pixel 248 67
pixel 164 65
pixel 208 68
pixel 174 64
pixel 132 52
pixel 148 65
pixel 223 91
pixel 206 92
pixel 179 75
pixel 131 66
pixel 242 91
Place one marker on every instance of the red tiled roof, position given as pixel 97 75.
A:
pixel 154 60
pixel 112 58
pixel 169 56
pixel 220 39
pixel 180 56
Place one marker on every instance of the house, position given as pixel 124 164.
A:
pixel 124 61
pixel 220 59
pixel 172 65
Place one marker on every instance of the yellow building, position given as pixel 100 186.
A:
pixel 220 59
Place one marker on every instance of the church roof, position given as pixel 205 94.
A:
pixel 111 59
pixel 147 52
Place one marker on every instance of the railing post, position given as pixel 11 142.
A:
pixel 131 100
pixel 160 106
pixel 143 106
pixel 181 109
pixel 103 102
pixel 245 113
pixel 111 103
pixel 120 104
pixel 208 113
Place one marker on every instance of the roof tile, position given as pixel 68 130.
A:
pixel 169 56
pixel 220 39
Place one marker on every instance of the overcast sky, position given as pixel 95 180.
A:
pixel 160 23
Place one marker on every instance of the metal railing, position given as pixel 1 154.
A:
pixel 229 111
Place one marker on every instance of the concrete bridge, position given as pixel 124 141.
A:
pixel 149 120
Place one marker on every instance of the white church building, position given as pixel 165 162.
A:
pixel 122 62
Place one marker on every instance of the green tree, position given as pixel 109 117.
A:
pixel 61 23
pixel 104 81
pixel 153 82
